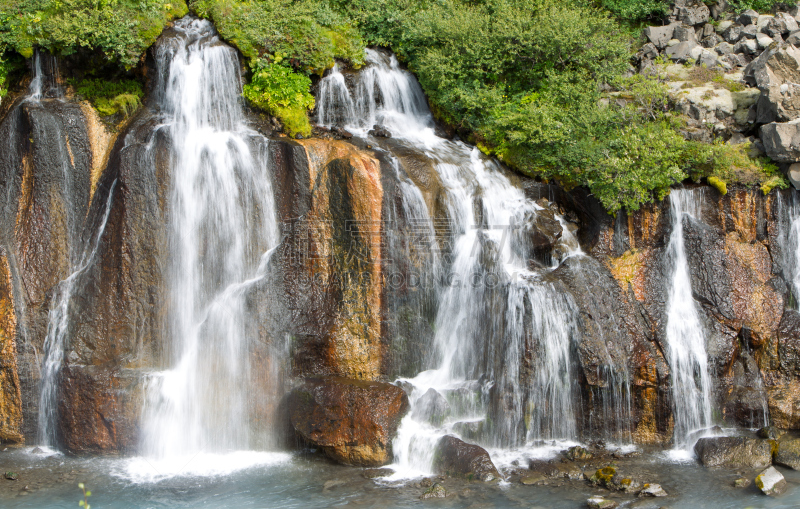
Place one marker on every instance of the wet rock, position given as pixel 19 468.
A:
pixel 598 502
pixel 456 458
pixel 380 131
pixel 333 483
pixel 532 479
pixel 341 131
pixel 435 491
pixel 603 477
pixel 11 476
pixel 770 432
pixel 771 482
pixel 652 490
pixel 742 482
pixel 37 450
pixel 470 430
pixel 734 452
pixel 578 453
pixel 375 473
pixel 431 407
pixel 788 453
pixel 351 421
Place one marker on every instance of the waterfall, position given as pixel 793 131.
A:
pixel 55 342
pixel 686 343
pixel 789 237
pixel 492 308
pixel 223 231
pixel 44 79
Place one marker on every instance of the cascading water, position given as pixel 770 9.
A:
pixel 686 344
pixel 487 289
pixel 223 231
pixel 789 236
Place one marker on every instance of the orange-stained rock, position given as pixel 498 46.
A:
pixel 351 421
pixel 10 392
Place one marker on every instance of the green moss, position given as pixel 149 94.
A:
pixel 111 97
pixel 718 184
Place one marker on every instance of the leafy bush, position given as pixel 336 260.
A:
pixel 110 97
pixel 761 6
pixel 121 29
pixel 637 10
pixel 277 89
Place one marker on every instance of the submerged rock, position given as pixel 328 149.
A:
pixel 771 482
pixel 652 490
pixel 435 491
pixel 734 452
pixel 770 432
pixel 742 482
pixel 351 421
pixel 598 502
pixel 457 458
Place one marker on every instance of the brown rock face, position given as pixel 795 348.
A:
pixel 10 391
pixel 351 421
pixel 457 458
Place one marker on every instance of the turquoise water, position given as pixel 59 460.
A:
pixel 280 480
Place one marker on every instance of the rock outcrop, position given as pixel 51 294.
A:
pixel 456 458
pixel 351 421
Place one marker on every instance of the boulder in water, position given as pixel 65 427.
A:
pixel 598 502
pixel 431 407
pixel 652 490
pixel 771 482
pixel 380 131
pixel 788 453
pixel 435 491
pixel 578 453
pixel 742 482
pixel 456 458
pixel 734 452
pixel 351 421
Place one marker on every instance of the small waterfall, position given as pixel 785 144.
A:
pixel 44 79
pixel 523 377
pixel 686 343
pixel 55 342
pixel 789 236
pixel 223 232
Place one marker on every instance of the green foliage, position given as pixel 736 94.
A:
pixel 110 97
pixel 761 6
pixel 86 494
pixel 719 184
pixel 307 34
pixel 121 29
pixel 636 10
pixel 4 71
pixel 282 92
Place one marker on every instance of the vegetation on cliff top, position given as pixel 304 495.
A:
pixel 120 29
pixel 522 78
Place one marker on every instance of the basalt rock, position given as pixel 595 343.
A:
pixel 351 421
pixel 734 452
pixel 457 458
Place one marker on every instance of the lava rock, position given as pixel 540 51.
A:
pixel 660 36
pixel 694 14
pixel 732 34
pixel 748 17
pixel 685 34
pixel 431 407
pixel 435 491
pixel 456 458
pixel 734 452
pixel 781 141
pixel 351 421
pixel 771 482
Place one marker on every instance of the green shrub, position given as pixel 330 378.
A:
pixel 637 10
pixel 282 92
pixel 121 29
pixel 762 6
pixel 110 97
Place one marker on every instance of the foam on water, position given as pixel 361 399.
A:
pixel 142 469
